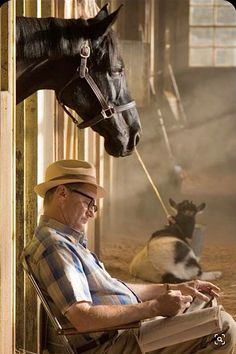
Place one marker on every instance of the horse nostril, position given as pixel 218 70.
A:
pixel 136 139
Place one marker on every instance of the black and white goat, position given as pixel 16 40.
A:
pixel 168 256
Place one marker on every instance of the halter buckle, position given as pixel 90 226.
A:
pixel 108 113
pixel 85 50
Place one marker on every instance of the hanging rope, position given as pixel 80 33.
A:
pixel 153 185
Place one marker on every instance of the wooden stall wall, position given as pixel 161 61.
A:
pixel 7 177
pixel 44 133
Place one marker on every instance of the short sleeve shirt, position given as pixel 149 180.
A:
pixel 68 272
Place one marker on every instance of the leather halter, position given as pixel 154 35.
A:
pixel 107 111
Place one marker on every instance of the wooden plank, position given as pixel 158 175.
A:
pixel 6 225
pixel 19 224
pixel 30 212
pixel 7 237
pixel 19 7
pixel 59 133
pixel 46 8
pixel 30 199
pixel 138 68
pixel 4 47
pixel 30 8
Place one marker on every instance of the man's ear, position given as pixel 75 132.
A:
pixel 61 191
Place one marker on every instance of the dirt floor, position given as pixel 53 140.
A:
pixel 117 257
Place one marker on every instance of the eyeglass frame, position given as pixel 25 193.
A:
pixel 93 207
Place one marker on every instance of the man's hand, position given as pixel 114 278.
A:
pixel 196 288
pixel 172 303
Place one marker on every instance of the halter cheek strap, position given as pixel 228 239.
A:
pixel 82 72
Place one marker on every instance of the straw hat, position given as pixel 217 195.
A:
pixel 69 171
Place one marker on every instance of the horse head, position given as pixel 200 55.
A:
pixel 83 66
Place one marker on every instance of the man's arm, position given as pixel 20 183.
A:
pixel 88 318
pixel 195 288
pixel 147 292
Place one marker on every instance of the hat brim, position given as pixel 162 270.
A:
pixel 42 188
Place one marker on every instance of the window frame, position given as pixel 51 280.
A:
pixel 214 47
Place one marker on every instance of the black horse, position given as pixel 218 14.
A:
pixel 79 60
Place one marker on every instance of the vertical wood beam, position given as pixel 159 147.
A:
pixel 46 8
pixel 4 47
pixel 30 200
pixel 6 226
pixel 7 236
pixel 30 207
pixel 19 213
pixel 19 224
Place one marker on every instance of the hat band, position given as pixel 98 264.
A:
pixel 82 178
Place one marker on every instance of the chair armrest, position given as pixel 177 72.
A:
pixel 72 331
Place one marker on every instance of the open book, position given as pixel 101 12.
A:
pixel 182 328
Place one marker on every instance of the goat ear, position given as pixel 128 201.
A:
pixel 173 204
pixel 201 207
pixel 100 28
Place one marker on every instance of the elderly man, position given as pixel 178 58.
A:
pixel 83 294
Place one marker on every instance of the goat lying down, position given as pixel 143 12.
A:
pixel 168 257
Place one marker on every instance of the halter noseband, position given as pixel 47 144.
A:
pixel 82 72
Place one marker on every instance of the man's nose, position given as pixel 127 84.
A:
pixel 91 212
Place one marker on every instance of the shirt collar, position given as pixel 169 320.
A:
pixel 65 230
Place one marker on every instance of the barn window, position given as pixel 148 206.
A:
pixel 212 34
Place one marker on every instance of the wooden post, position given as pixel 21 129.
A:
pixel 26 207
pixel 7 236
pixel 30 212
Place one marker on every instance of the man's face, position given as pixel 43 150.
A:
pixel 78 206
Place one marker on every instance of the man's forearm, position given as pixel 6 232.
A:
pixel 88 318
pixel 147 291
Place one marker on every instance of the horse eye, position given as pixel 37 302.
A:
pixel 117 72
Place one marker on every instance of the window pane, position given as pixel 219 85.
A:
pixel 201 16
pixel 201 57
pixel 201 36
pixel 201 2
pixel 223 3
pixel 225 36
pixel 225 57
pixel 225 16
pixel 212 34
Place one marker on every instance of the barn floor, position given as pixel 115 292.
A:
pixel 117 257
pixel 218 189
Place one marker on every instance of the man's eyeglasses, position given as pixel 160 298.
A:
pixel 91 206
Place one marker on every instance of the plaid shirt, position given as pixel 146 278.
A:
pixel 68 272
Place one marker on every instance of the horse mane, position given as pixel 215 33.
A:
pixel 39 38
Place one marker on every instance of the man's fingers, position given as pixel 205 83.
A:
pixel 202 296
pixel 213 293
pixel 205 286
pixel 187 298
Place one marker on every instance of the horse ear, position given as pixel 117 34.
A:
pixel 100 28
pixel 173 204
pixel 102 13
pixel 201 207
